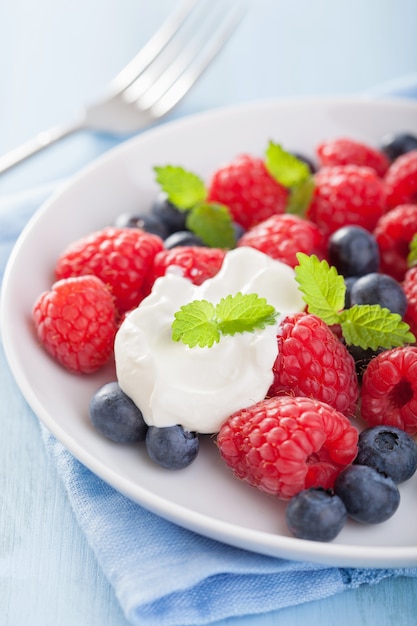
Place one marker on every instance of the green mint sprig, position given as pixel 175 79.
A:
pixel 367 326
pixel 210 221
pixel 292 173
pixel 201 323
pixel 183 188
pixel 286 168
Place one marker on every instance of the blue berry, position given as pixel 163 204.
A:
pixel 183 238
pixel 172 217
pixel 172 447
pixel 389 450
pixel 239 230
pixel 394 145
pixel 316 514
pixel 349 282
pixel 379 289
pixel 362 357
pixel 369 496
pixel 145 221
pixel 353 251
pixel 116 416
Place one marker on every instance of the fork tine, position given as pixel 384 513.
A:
pixel 158 90
pixel 170 55
pixel 152 49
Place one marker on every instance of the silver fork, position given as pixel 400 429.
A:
pixel 154 81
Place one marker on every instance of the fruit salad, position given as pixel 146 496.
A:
pixel 272 308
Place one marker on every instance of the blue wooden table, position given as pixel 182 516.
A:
pixel 56 54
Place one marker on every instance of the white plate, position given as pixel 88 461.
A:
pixel 204 497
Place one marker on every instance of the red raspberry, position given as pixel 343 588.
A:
pixel 194 262
pixel 393 234
pixel 121 257
pixel 344 195
pixel 350 152
pixel 248 190
pixel 410 289
pixel 401 180
pixel 389 389
pixel 282 236
pixel 314 363
pixel 76 323
pixel 284 445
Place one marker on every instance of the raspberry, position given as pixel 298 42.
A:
pixel 389 389
pixel 401 180
pixel 282 236
pixel 312 362
pixel 393 233
pixel 286 444
pixel 76 323
pixel 248 190
pixel 346 194
pixel 344 151
pixel 410 289
pixel 121 257
pixel 194 262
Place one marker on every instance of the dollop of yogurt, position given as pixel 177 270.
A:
pixel 199 388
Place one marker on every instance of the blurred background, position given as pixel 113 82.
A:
pixel 57 54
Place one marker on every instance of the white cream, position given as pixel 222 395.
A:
pixel 200 387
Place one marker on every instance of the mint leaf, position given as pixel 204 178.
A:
pixel 323 288
pixel 371 326
pixel 240 313
pixel 183 188
pixel 300 197
pixel 195 324
pixel 284 166
pixel 412 254
pixel 213 223
pixel 200 323
pixel 364 325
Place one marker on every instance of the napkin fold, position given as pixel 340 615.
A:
pixel 162 574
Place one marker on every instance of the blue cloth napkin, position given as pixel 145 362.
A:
pixel 162 574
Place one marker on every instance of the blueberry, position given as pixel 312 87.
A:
pixel 349 282
pixel 172 217
pixel 116 416
pixel 353 251
pixel 389 450
pixel 369 496
pixel 316 514
pixel 394 145
pixel 183 238
pixel 379 289
pixel 172 446
pixel 362 357
pixel 145 221
pixel 239 230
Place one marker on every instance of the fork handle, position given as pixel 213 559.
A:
pixel 39 142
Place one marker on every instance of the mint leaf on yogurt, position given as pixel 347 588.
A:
pixel 201 323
